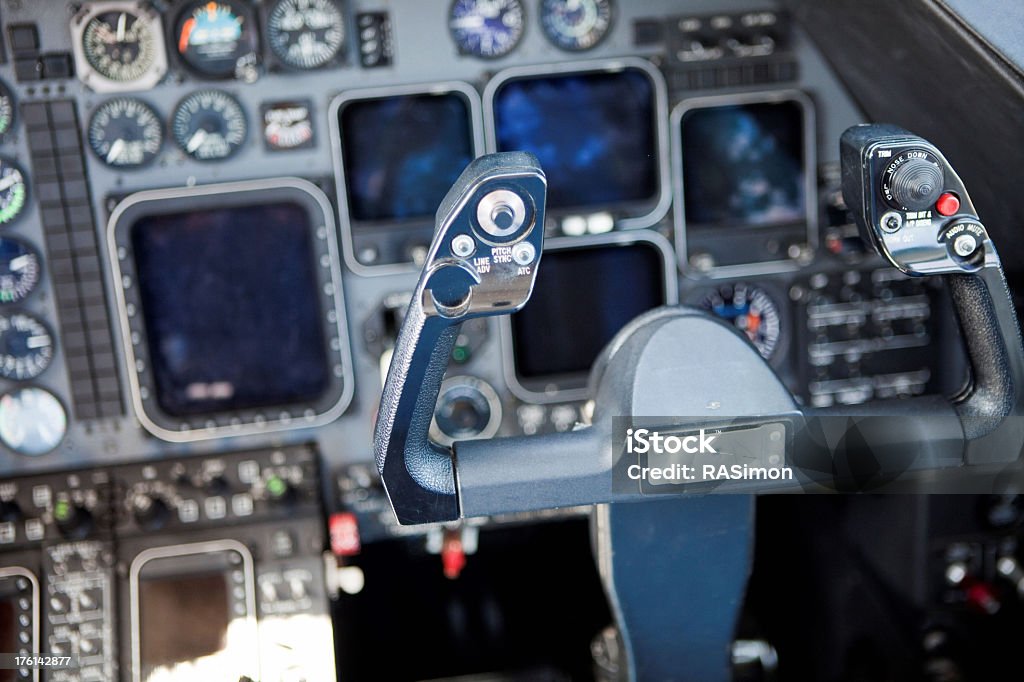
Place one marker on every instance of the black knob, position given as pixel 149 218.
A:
pixel 73 520
pixel 916 185
pixel 150 511
pixel 216 485
pixel 10 511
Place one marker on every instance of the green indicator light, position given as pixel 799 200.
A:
pixel 62 510
pixel 276 486
pixel 460 354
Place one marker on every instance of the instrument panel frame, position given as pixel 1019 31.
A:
pixel 811 206
pixel 600 66
pixel 462 88
pixel 329 279
pixel 623 238
pixel 191 550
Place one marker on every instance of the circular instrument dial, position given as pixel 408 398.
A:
pixel 120 45
pixel 487 28
pixel 26 346
pixel 217 39
pixel 306 34
pixel 32 421
pixel 12 191
pixel 6 110
pixel 750 310
pixel 125 133
pixel 576 25
pixel 209 125
pixel 19 270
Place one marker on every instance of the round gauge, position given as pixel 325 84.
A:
pixel 26 346
pixel 6 109
pixel 19 270
pixel 751 311
pixel 217 39
pixel 125 133
pixel 305 34
pixel 13 191
pixel 576 25
pixel 121 45
pixel 32 421
pixel 209 125
pixel 486 28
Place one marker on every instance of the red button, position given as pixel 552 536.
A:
pixel 948 204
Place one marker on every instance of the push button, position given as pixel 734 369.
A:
pixel 948 204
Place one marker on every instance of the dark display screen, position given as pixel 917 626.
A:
pixel 402 154
pixel 582 298
pixel 8 633
pixel 181 620
pixel 594 135
pixel 743 165
pixel 232 308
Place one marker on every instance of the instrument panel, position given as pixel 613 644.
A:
pixel 211 219
pixel 150 187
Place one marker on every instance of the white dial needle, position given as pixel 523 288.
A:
pixel 9 181
pixel 115 151
pixel 196 141
pixel 121 21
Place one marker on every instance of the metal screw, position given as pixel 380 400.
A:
pixel 965 245
pixel 463 246
pixel 523 253
pixel 891 222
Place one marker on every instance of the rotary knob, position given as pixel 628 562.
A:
pixel 150 511
pixel 10 511
pixel 915 185
pixel 73 520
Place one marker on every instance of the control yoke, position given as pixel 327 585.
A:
pixel 910 205
pixel 482 262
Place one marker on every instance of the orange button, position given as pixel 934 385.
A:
pixel 948 204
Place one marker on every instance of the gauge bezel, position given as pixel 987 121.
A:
pixel 328 407
pixel 612 20
pixel 783 264
pixel 569 388
pixel 780 354
pixel 273 59
pixel 660 202
pixel 95 80
pixel 18 387
pixel 195 93
pixel 172 31
pixel 4 159
pixel 5 91
pixel 40 273
pixel 467 91
pixel 125 167
pixel 488 57
pixel 15 309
